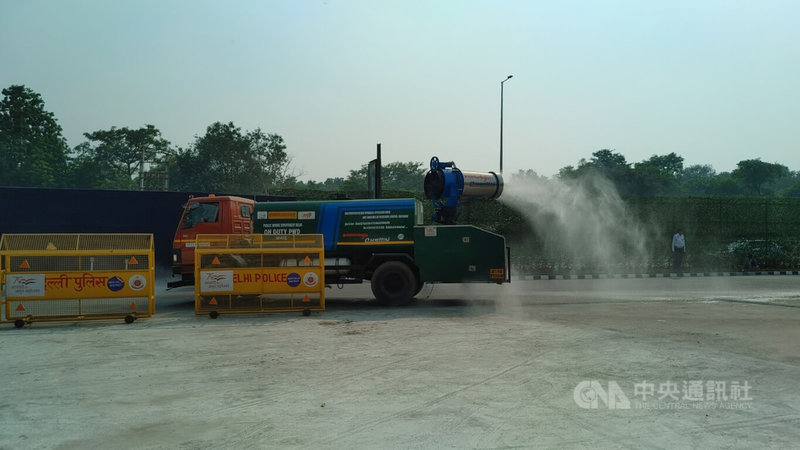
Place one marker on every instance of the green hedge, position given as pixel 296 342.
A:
pixel 722 234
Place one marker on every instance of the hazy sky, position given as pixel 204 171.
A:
pixel 715 81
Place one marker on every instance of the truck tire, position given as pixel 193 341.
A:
pixel 394 284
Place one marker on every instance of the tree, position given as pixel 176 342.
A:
pixel 726 186
pixel 657 175
pixel 793 191
pixel 408 176
pixel 85 172
pixel 403 176
pixel 272 159
pixel 357 179
pixel 32 150
pixel 698 180
pixel 570 172
pixel 607 164
pixel 784 182
pixel 332 184
pixel 118 156
pixel 648 180
pixel 530 175
pixel 698 171
pixel 754 173
pixel 227 160
pixel 670 164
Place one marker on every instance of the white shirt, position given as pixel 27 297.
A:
pixel 678 241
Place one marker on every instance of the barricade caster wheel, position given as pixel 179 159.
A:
pixel 129 318
pixel 19 323
pixel 306 312
pixel 213 314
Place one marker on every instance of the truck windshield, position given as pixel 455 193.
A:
pixel 201 212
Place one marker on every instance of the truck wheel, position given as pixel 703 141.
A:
pixel 394 284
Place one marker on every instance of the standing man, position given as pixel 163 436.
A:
pixel 678 250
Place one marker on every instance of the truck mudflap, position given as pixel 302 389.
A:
pixel 508 264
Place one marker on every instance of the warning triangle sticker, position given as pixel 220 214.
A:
pixel 133 305
pixel 306 299
pixel 213 301
pixel 20 307
pixel 50 246
pixel 24 264
pixel 307 260
pixel 215 261
pixel 133 260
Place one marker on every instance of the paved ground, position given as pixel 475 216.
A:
pixel 631 363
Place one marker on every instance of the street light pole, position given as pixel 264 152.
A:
pixel 501 122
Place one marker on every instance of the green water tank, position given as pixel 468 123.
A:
pixel 460 254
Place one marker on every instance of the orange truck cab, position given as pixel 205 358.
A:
pixel 206 215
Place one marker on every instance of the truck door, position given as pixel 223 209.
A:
pixel 207 215
pixel 241 214
pixel 200 217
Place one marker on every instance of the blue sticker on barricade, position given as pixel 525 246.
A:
pixel 116 284
pixel 293 279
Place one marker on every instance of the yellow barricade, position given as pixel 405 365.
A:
pixel 253 273
pixel 77 276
